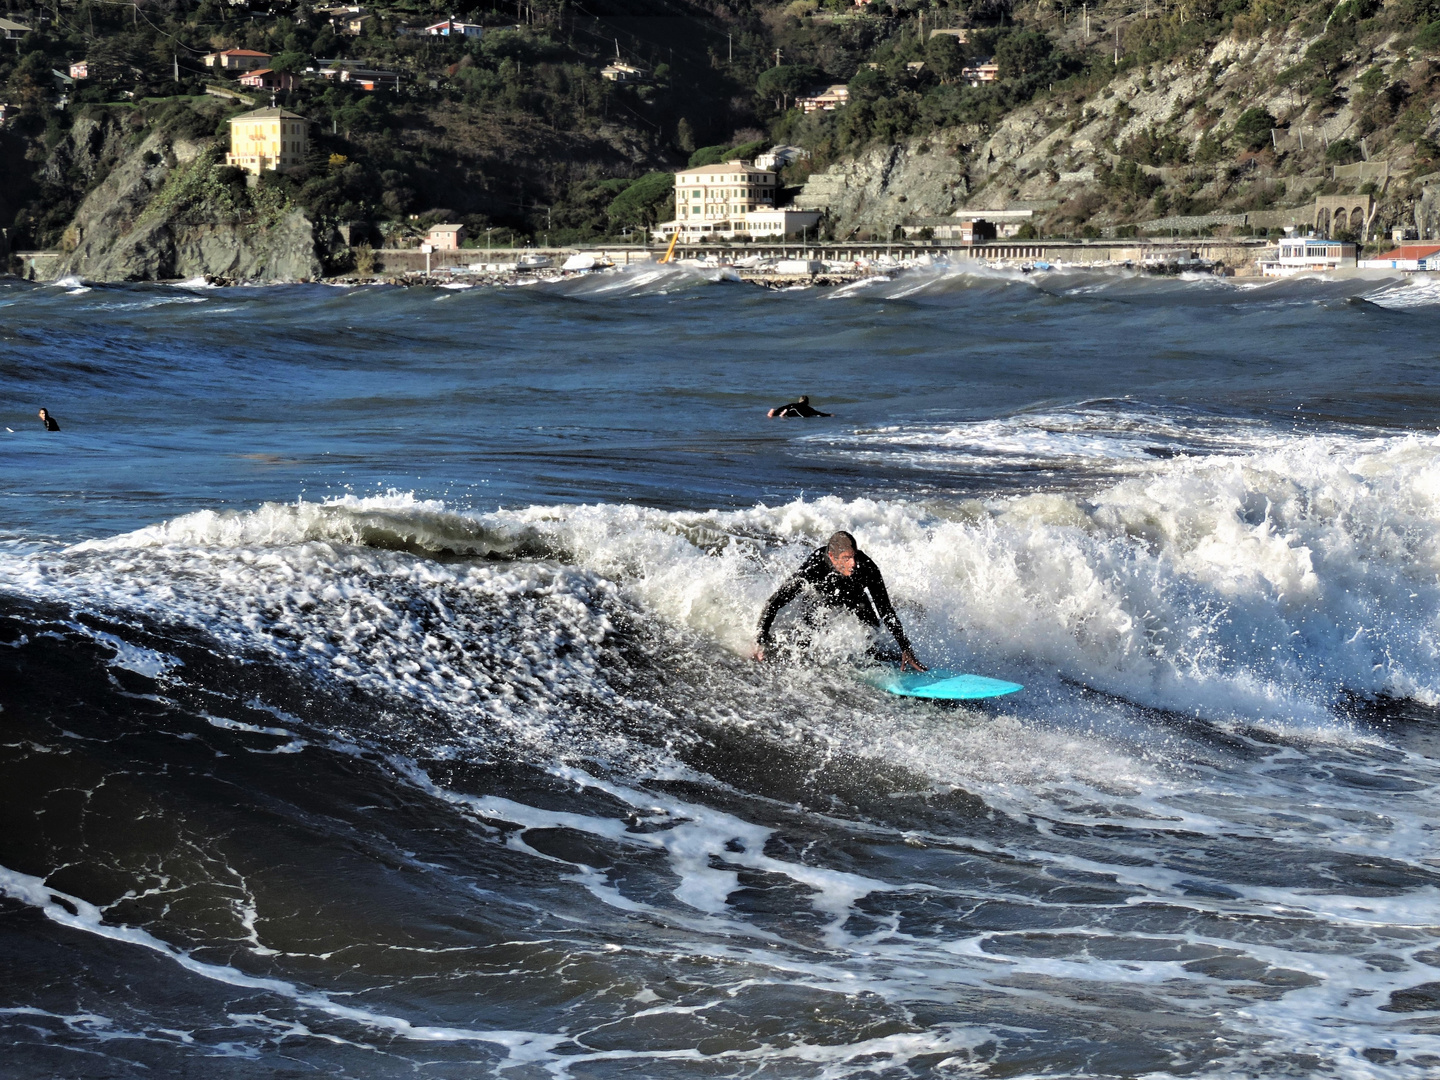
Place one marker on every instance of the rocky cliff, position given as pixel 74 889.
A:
pixel 164 212
pixel 1159 146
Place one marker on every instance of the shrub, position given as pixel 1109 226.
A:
pixel 1252 129
pixel 1342 152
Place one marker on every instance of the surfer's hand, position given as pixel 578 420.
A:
pixel 907 660
pixel 758 654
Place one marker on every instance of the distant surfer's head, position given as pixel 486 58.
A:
pixel 841 550
pixel 805 400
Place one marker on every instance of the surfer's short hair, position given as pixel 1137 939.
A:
pixel 840 543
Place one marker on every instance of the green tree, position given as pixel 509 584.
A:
pixel 785 82
pixel 945 56
pixel 638 204
pixel 1022 53
pixel 289 61
pixel 1252 129
pixel 685 135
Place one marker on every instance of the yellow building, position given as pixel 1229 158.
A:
pixel 723 192
pixel 268 139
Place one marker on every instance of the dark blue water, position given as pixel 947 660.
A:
pixel 376 697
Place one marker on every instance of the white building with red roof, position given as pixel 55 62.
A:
pixel 1404 257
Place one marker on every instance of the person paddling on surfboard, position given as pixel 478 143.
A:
pixel 842 576
pixel 801 408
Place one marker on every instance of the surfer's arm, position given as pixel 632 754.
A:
pixel 787 592
pixel 880 597
pixel 778 600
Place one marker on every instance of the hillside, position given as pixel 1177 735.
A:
pixel 1124 116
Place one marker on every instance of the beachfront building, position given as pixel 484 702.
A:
pixel 1404 257
pixel 734 198
pixel 1299 254
pixel 446 237
pixel 237 60
pixel 969 226
pixel 268 139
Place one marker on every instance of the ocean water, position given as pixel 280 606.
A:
pixel 375 696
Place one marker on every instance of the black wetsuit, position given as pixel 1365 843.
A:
pixel 50 424
pixel 863 593
pixel 798 408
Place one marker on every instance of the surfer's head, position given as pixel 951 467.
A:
pixel 805 400
pixel 841 550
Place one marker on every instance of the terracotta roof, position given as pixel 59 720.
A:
pixel 271 113
pixel 242 52
pixel 726 167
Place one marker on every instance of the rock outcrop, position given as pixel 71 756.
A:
pixel 1055 154
pixel 159 216
pixel 887 185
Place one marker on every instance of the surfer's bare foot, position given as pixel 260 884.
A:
pixel 907 660
pixel 758 654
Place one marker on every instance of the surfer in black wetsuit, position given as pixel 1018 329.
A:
pixel 48 420
pixel 796 408
pixel 842 576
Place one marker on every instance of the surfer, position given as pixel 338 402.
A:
pixel 796 408
pixel 843 576
pixel 48 420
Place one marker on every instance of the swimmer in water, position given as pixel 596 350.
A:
pixel 796 408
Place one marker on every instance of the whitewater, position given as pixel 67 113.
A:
pixel 377 696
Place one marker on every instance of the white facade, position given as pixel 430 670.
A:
pixel 777 157
pixel 622 73
pixel 1297 254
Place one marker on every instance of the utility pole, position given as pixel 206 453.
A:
pixel 777 57
pixel 1117 45
pixel 730 40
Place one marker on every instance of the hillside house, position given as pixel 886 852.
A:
pixel 360 78
pixel 237 60
pixel 777 157
pixel 622 73
pixel 827 100
pixel 982 71
pixel 453 27
pixel 959 33
pixel 11 30
pixel 268 139
pixel 446 237
pixel 268 79
pixel 80 69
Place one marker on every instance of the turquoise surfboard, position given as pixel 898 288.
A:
pixel 941 685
